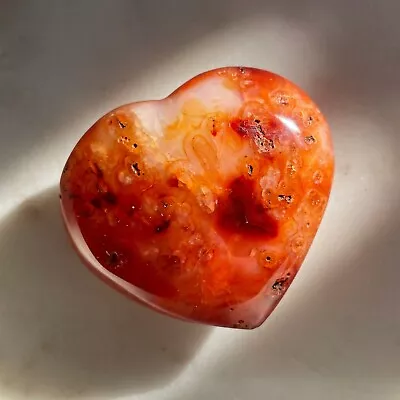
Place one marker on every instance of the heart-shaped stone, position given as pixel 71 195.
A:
pixel 203 205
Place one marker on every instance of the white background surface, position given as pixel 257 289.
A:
pixel 64 334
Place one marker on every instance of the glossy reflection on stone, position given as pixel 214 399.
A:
pixel 203 205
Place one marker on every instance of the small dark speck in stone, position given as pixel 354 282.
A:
pixel 162 227
pixel 136 169
pixel 112 257
pixel 310 139
pixel 279 284
pixel 121 124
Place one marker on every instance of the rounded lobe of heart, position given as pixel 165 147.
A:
pixel 203 205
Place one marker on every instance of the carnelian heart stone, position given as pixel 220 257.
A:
pixel 203 205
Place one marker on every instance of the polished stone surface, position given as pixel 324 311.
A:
pixel 203 205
